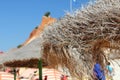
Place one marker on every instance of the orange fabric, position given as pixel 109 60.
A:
pixel 0 77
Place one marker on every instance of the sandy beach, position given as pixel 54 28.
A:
pixel 116 66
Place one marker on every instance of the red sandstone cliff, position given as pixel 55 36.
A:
pixel 35 33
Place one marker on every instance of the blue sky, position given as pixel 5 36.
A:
pixel 19 17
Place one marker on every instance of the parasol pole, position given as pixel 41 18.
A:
pixel 14 71
pixel 40 69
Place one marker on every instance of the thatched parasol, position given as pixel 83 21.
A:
pixel 24 56
pixel 77 40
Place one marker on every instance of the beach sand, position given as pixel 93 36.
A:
pixel 116 66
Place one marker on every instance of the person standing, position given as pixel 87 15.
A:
pixel 110 71
pixel 98 72
pixel 45 77
pixel 64 77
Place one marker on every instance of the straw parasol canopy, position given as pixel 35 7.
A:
pixel 26 56
pixel 78 40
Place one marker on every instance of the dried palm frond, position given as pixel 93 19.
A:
pixel 77 40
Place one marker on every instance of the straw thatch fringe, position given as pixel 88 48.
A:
pixel 77 40
pixel 31 63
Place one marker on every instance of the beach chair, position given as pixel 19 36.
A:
pixel 26 73
pixel 6 76
pixel 51 74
